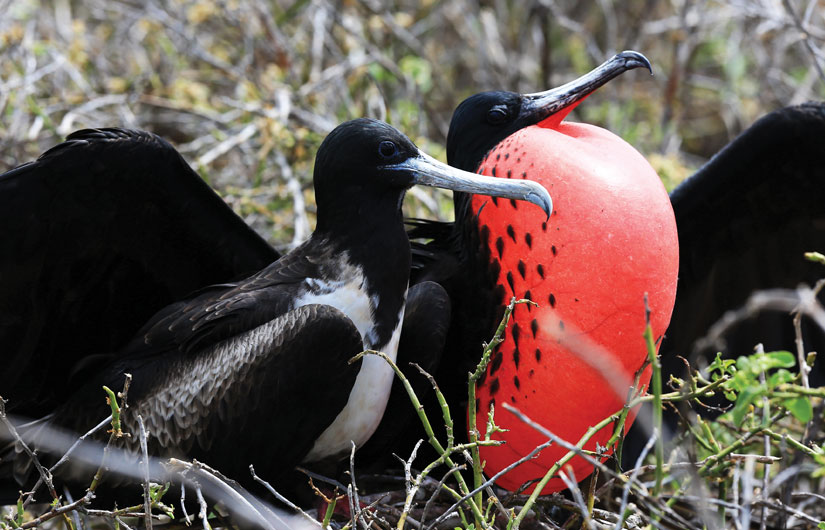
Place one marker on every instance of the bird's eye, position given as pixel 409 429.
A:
pixel 387 149
pixel 496 115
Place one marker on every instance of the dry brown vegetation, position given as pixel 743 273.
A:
pixel 247 89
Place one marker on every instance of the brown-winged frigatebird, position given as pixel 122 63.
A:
pixel 256 371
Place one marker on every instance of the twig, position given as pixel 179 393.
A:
pixel 45 475
pixel 223 147
pixel 656 385
pixel 573 487
pixel 183 503
pixel 633 477
pixel 67 454
pixel 147 500
pixel 438 487
pixel 806 38
pixel 410 485
pixel 202 512
pixel 779 506
pixel 573 450
pixel 115 432
pixel 280 497
pixel 490 481
pixel 60 510
pixel 358 514
pixel 301 223
pixel 802 299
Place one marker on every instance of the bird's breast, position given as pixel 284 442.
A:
pixel 365 404
pixel 349 296
pixel 350 293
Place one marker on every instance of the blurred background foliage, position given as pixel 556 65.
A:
pixel 247 89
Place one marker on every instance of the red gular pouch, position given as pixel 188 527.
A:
pixel 568 363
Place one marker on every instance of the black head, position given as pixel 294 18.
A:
pixel 350 157
pixel 348 178
pixel 481 121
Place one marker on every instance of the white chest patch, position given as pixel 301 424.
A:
pixel 350 297
pixel 368 397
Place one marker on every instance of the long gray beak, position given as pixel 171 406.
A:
pixel 428 171
pixel 542 104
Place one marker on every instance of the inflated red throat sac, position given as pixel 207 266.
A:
pixel 568 363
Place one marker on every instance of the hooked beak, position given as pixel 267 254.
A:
pixel 540 105
pixel 428 171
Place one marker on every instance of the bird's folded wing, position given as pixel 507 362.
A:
pixel 271 391
pixel 221 311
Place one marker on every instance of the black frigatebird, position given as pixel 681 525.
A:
pixel 743 222
pixel 273 347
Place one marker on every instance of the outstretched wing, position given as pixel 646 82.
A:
pixel 97 235
pixel 744 220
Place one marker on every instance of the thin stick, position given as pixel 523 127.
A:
pixel 656 386
pixel 116 432
pixel 147 499
pixel 202 512
pixel 45 475
pixel 490 482
pixel 61 510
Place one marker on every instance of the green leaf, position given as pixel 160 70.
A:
pixel 750 369
pixel 781 358
pixel 746 397
pixel 800 408
pixel 779 377
pixel 762 362
pixel 720 365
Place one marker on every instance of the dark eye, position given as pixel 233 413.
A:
pixel 387 149
pixel 496 115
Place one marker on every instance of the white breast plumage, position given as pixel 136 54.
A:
pixel 368 397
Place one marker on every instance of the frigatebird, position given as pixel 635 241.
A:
pixel 743 220
pixel 273 348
